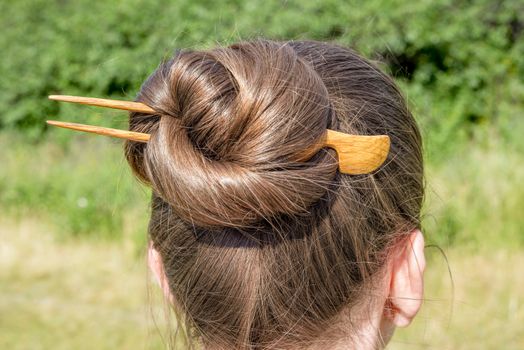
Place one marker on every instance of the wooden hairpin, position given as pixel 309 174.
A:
pixel 357 154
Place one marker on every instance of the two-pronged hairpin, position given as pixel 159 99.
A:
pixel 357 154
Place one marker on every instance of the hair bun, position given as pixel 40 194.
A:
pixel 231 124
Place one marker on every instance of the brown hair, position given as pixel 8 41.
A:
pixel 259 248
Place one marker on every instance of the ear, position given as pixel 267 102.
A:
pixel 407 280
pixel 154 260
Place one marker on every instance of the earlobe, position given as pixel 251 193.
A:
pixel 154 263
pixel 154 260
pixel 407 283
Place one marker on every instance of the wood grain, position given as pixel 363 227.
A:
pixel 121 134
pixel 101 102
pixel 357 154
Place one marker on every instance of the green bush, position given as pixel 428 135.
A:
pixel 460 62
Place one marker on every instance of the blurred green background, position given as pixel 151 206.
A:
pixel 73 220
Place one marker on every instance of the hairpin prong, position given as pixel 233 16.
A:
pixel 357 154
pixel 102 102
pixel 121 134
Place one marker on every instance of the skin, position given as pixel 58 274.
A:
pixel 400 298
pixel 405 290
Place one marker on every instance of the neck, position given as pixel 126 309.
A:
pixel 374 333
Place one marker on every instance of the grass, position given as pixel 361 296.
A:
pixel 71 295
pixel 73 219
pixel 475 198
pixel 72 271
pixel 82 185
pixel 85 295
pixel 481 307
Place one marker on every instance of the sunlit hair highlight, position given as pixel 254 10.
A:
pixel 261 249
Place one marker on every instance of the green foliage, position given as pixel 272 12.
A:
pixel 475 199
pixel 460 62
pixel 84 189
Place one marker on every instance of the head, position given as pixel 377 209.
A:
pixel 255 247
